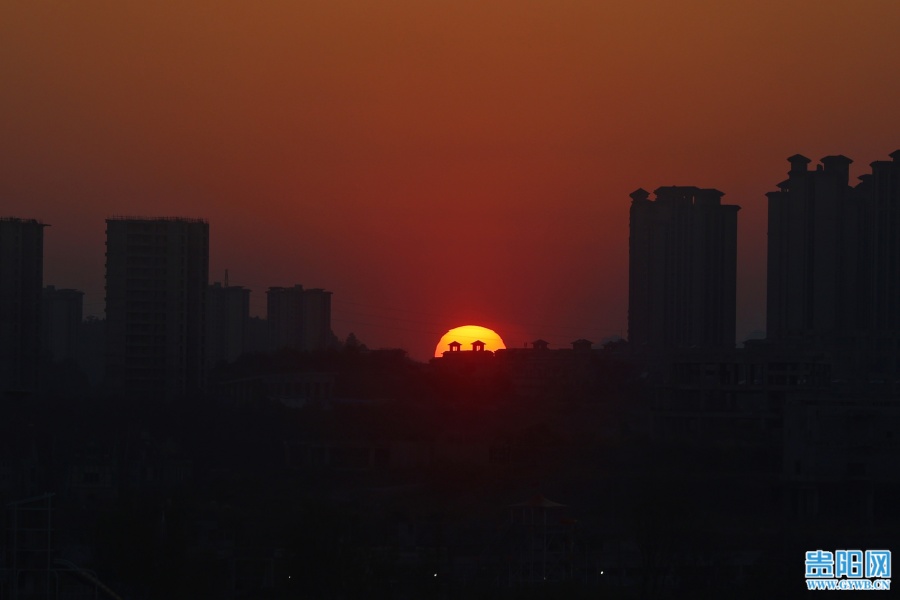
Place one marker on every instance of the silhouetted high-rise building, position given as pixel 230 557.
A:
pixel 21 280
pixel 812 252
pixel 228 315
pixel 61 323
pixel 157 272
pixel 682 270
pixel 298 318
pixel 879 254
pixel 316 319
pixel 256 339
pixel 834 261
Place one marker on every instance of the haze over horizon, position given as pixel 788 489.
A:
pixel 432 164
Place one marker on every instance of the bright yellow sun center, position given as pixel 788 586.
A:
pixel 466 335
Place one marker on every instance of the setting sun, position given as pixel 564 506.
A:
pixel 467 334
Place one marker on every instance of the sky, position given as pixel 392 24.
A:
pixel 433 163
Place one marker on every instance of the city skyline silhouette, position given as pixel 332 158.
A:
pixel 455 147
pixel 422 321
pixel 232 235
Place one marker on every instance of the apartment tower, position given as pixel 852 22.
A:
pixel 298 318
pixel 21 282
pixel 228 317
pixel 834 263
pixel 682 272
pixel 157 272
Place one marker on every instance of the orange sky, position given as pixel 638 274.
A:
pixel 431 163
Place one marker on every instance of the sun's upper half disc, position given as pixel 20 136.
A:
pixel 466 335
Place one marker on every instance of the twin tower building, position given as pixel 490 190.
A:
pixel 833 266
pixel 165 325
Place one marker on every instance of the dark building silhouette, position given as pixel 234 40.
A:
pixel 298 318
pixel 92 349
pixel 156 284
pixel 228 315
pixel 541 372
pixel 61 323
pixel 813 252
pixel 256 340
pixel 879 275
pixel 21 280
pixel 834 262
pixel 682 270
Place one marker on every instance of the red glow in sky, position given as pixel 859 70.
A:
pixel 429 162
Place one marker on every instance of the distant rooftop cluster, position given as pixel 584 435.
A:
pixel 144 218
pixel 687 195
pixel 18 220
